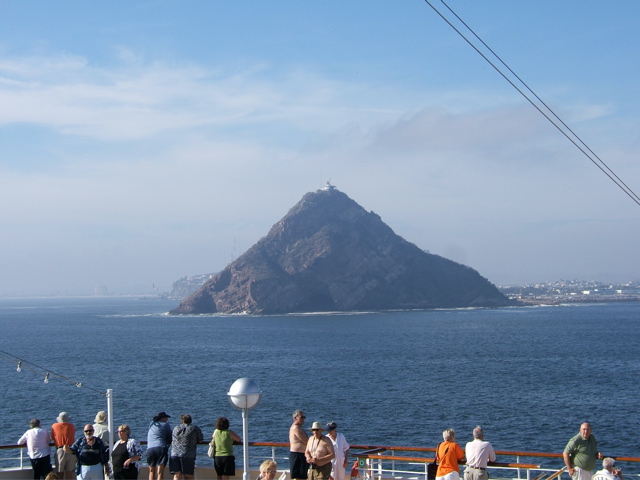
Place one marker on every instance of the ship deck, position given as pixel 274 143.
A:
pixel 369 462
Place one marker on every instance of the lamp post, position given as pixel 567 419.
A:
pixel 245 394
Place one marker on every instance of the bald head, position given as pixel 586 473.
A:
pixel 585 430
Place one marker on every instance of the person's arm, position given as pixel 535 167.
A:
pixel 461 454
pixel 104 453
pixel 235 437
pixel 307 452
pixel 567 462
pixel 135 452
pixel 346 458
pixel 74 448
pixel 296 436
pixel 23 439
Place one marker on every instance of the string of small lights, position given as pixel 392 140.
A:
pixel 47 372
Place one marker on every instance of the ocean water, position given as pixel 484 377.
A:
pixel 528 375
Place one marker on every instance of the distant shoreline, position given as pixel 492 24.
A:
pixel 575 299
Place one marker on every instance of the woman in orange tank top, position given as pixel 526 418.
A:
pixel 448 455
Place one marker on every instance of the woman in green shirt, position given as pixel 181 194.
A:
pixel 223 439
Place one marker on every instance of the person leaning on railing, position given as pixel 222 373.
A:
pixel 37 440
pixel 448 454
pixel 478 452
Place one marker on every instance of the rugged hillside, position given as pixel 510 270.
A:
pixel 329 254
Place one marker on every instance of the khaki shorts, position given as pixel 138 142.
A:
pixel 65 462
pixel 320 473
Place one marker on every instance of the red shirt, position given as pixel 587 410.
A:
pixel 63 433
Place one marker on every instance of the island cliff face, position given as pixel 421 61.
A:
pixel 330 254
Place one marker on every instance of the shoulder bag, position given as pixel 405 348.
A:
pixel 432 468
pixel 212 446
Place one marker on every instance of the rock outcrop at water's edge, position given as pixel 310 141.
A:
pixel 330 254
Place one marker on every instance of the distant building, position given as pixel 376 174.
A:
pixel 100 291
pixel 328 187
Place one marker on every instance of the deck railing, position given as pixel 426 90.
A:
pixel 373 462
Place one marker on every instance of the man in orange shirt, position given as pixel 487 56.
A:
pixel 63 435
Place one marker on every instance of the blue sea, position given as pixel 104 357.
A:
pixel 528 375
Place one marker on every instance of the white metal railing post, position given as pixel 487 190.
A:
pixel 110 419
pixel 245 440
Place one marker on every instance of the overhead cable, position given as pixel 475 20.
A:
pixel 542 107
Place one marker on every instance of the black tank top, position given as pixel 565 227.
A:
pixel 120 454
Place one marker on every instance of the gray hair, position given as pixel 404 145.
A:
pixel 449 435
pixel 478 433
pixel 297 413
pixel 608 462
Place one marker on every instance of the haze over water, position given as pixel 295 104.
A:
pixel 529 375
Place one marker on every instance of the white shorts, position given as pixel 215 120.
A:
pixel 580 474
pixel 452 476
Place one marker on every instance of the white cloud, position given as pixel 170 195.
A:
pixel 182 162
pixel 135 100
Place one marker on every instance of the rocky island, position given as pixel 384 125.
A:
pixel 330 254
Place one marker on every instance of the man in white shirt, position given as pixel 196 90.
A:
pixel 37 440
pixel 478 454
pixel 609 470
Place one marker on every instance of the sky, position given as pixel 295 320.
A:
pixel 145 141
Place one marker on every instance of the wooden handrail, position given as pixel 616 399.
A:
pixel 429 460
pixel 539 477
pixel 390 448
pixel 557 474
pixel 528 454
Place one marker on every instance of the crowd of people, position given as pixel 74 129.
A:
pixel 311 457
pixel 88 458
pixel 580 456
pixel 319 457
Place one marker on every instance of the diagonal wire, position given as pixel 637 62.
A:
pixel 573 138
pixel 38 369
pixel 542 102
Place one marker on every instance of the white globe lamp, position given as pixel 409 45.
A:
pixel 245 394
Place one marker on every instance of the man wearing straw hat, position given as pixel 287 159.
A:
pixel 319 454
pixel 100 427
